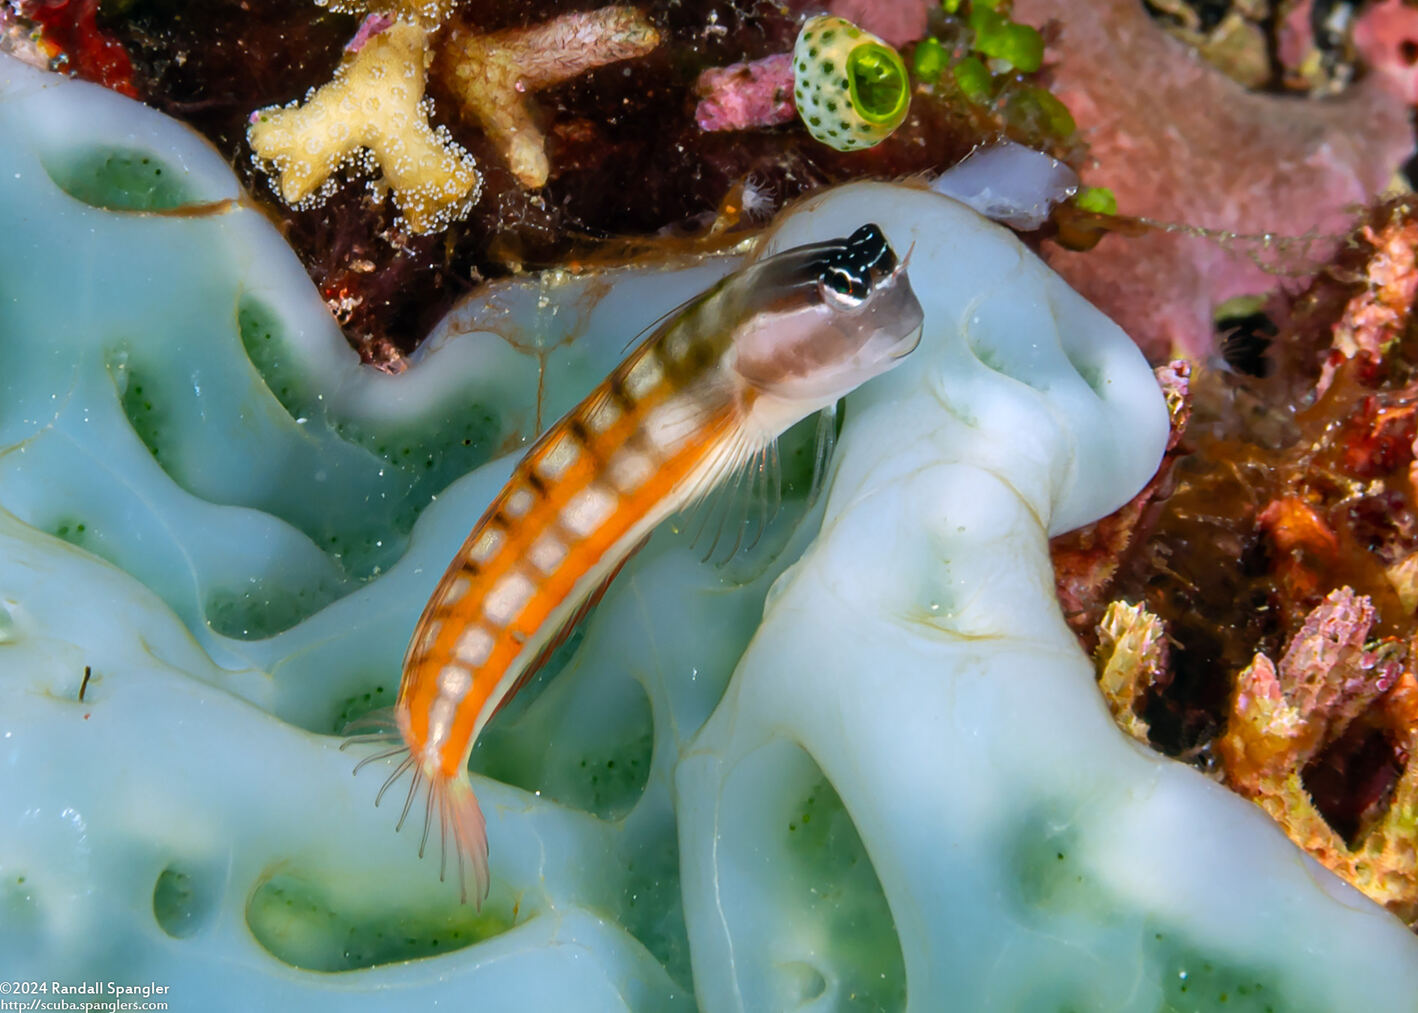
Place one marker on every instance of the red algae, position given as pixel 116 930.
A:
pixel 1387 36
pixel 896 21
pixel 71 28
pixel 741 96
pixel 1178 141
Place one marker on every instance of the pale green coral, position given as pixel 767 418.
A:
pixel 910 795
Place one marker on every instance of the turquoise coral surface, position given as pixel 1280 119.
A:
pixel 862 766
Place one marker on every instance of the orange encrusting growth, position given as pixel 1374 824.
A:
pixel 590 484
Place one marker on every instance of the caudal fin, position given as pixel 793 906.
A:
pixel 458 809
pixel 458 812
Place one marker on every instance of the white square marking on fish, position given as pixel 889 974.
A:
pixel 628 470
pixel 670 426
pixel 604 413
pixel 474 646
pixel 518 503
pixel 588 510
pixel 644 376
pixel 558 457
pixel 488 544
pixel 455 591
pixel 678 343
pixel 440 719
pixel 547 552
pixel 507 598
pixel 454 681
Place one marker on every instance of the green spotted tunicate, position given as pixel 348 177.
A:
pixel 851 87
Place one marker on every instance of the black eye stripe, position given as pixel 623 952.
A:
pixel 849 268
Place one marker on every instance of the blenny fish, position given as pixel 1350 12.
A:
pixel 703 397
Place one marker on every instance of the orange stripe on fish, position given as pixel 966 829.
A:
pixel 699 399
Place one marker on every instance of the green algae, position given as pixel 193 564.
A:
pixel 142 402
pixel 299 923
pixel 119 179
pixel 1098 199
pixel 359 705
pixel 929 59
pixel 1038 111
pixel 650 905
pixel 1200 980
pixel 75 532
pixel 264 608
pixel 837 888
pixel 407 464
pixel 999 38
pixel 601 769
pixel 185 900
pixel 260 330
pixel 973 79
pixel 1052 879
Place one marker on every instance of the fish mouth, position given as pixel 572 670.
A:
pixel 909 343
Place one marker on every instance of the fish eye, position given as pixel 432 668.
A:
pixel 841 289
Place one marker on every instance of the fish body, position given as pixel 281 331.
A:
pixel 701 398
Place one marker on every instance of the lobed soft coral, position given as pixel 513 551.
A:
pixel 429 13
pixel 493 74
pixel 373 113
pixel 291 511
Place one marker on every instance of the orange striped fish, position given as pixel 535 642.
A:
pixel 703 397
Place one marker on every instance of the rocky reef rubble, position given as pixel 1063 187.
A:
pixel 1262 621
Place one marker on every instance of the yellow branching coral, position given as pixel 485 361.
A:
pixel 494 74
pixel 1131 654
pixel 1283 715
pixel 372 112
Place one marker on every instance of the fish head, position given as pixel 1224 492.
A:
pixel 823 319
